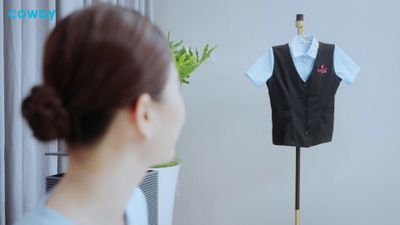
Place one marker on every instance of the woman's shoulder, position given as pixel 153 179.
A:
pixel 136 212
pixel 41 215
pixel 136 209
pixel 38 216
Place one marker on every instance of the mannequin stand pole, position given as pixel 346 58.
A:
pixel 300 31
pixel 297 186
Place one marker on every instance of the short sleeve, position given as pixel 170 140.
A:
pixel 344 66
pixel 262 69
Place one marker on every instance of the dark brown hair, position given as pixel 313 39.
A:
pixel 96 60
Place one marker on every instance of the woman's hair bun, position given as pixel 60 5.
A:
pixel 45 113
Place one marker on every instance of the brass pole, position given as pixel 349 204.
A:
pixel 300 31
pixel 300 24
pixel 297 205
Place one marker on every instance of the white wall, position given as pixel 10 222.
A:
pixel 232 174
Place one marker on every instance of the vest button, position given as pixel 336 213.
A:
pixel 304 107
pixel 306 133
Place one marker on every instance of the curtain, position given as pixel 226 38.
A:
pixel 23 164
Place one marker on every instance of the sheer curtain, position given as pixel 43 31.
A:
pixel 23 165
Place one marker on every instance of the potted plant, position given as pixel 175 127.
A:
pixel 186 62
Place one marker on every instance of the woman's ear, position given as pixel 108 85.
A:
pixel 143 115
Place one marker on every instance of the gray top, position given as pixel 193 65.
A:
pixel 135 213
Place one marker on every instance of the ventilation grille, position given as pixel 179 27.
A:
pixel 149 187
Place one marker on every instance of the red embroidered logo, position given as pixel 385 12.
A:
pixel 322 69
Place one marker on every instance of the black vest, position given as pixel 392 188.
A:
pixel 302 112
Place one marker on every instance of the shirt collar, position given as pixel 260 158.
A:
pixel 297 50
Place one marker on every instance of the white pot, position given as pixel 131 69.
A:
pixel 167 182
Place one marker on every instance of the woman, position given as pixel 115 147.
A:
pixel 112 93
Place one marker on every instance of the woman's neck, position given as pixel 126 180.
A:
pixel 98 184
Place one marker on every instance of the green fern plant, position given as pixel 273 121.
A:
pixel 186 62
